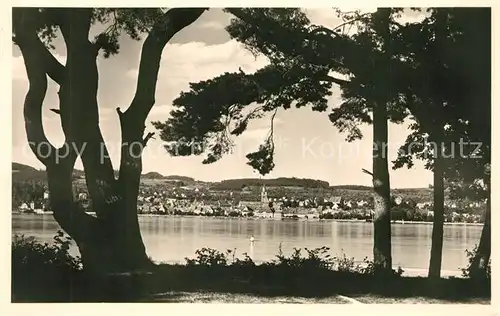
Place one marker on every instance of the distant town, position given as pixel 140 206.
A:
pixel 282 198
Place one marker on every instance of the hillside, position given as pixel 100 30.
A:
pixel 180 178
pixel 276 187
pixel 22 172
pixel 350 187
pixel 19 167
pixel 418 195
pixel 238 184
pixel 153 175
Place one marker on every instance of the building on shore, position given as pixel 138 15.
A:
pixel 424 205
pixel 398 200
pixel 24 208
pixel 336 202
pixel 300 212
pixel 258 207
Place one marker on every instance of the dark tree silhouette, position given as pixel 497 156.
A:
pixel 305 62
pixel 111 240
pixel 449 92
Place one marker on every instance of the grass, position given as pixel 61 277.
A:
pixel 231 298
pixel 374 299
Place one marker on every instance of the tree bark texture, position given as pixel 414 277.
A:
pixel 438 221
pixel 382 202
pixel 483 254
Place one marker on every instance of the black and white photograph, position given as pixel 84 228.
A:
pixel 251 155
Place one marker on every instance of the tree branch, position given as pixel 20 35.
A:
pixel 359 17
pixel 59 162
pixel 338 81
pixel 147 138
pixel 325 30
pixel 132 121
pixel 79 110
pixel 367 172
pixel 38 142
pixel 38 62
pixel 25 35
pixel 271 133
pixel 169 24
pixel 54 68
pixel 67 213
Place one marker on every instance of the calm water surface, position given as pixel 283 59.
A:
pixel 171 239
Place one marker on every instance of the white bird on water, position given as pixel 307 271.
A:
pixel 250 252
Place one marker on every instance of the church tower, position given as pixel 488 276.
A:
pixel 263 195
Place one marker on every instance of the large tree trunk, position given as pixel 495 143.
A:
pixel 382 255
pixel 111 241
pixel 106 244
pixel 382 202
pixel 438 224
pixel 484 248
pixel 482 258
pixel 115 243
pixel 436 133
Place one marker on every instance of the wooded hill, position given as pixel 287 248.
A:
pixel 276 187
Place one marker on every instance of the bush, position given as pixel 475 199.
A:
pixel 43 272
pixel 326 216
pixel 345 264
pixel 209 257
pixel 246 262
pixel 470 271
pixel 28 254
pixel 316 259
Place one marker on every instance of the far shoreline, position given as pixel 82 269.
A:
pixel 399 222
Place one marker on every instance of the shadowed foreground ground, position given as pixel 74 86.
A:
pixel 256 284
pixel 229 298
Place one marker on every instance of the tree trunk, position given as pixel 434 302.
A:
pixel 116 245
pixel 482 258
pixel 382 203
pixel 107 244
pixel 438 222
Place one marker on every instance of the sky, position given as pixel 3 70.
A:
pixel 307 144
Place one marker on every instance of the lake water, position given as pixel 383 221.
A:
pixel 171 239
